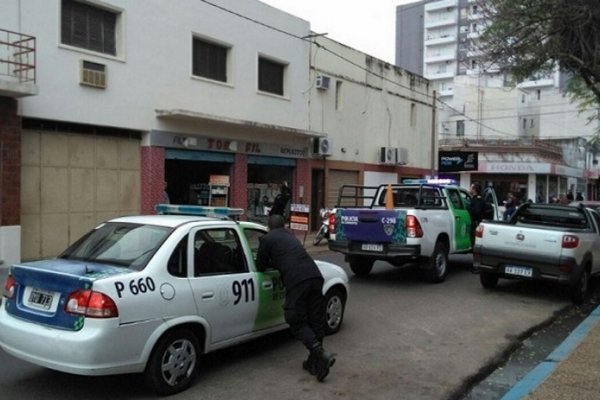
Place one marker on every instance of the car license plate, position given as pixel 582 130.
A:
pixel 40 299
pixel 519 271
pixel 371 247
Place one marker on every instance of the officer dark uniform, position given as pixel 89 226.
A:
pixel 476 208
pixel 303 308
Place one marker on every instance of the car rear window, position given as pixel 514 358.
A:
pixel 559 217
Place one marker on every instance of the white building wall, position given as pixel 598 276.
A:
pixel 153 67
pixel 372 111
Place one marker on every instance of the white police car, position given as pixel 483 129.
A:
pixel 150 294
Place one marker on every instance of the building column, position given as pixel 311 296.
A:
pixel 238 193
pixel 153 178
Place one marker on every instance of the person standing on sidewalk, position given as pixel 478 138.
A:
pixel 303 308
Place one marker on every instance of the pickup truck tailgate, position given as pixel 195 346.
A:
pixel 520 242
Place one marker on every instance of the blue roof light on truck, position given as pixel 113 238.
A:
pixel 437 181
pixel 215 212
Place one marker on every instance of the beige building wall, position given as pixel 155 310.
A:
pixel 72 182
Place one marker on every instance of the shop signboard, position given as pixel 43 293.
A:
pixel 455 161
pixel 299 217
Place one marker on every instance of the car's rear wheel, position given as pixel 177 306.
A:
pixel 488 280
pixel 579 291
pixel 173 364
pixel 335 302
pixel 361 266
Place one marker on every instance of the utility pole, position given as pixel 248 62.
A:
pixel 433 135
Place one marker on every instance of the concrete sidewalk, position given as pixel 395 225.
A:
pixel 571 371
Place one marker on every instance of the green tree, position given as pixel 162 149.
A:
pixel 527 38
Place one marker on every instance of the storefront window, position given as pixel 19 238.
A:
pixel 264 184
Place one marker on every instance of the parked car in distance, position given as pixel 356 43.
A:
pixel 150 294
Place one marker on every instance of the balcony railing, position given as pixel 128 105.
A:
pixel 17 56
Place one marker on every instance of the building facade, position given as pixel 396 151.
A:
pixel 216 103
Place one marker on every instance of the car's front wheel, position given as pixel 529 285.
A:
pixel 335 302
pixel 173 364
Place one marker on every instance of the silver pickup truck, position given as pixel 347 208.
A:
pixel 548 242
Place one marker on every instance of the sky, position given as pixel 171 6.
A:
pixel 365 25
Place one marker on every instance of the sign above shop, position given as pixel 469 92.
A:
pixel 193 142
pixel 455 161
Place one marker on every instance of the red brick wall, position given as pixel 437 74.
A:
pixel 238 193
pixel 10 162
pixel 153 178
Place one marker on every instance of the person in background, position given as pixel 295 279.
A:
pixel 281 200
pixel 303 308
pixel 579 197
pixel 166 199
pixel 564 199
pixel 511 206
pixel 476 208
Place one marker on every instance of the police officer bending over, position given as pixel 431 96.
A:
pixel 303 308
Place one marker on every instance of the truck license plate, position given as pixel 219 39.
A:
pixel 519 271
pixel 371 247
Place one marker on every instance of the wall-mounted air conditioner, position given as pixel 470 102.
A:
pixel 92 74
pixel 402 156
pixel 388 155
pixel 322 82
pixel 322 146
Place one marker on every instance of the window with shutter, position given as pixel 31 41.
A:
pixel 88 27
pixel 209 60
pixel 270 76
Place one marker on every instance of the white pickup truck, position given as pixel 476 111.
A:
pixel 549 242
pixel 420 221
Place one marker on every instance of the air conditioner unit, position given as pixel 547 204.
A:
pixel 92 74
pixel 323 82
pixel 388 155
pixel 322 146
pixel 402 156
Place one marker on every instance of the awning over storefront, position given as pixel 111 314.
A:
pixel 188 115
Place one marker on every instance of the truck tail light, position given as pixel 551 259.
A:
pixel 479 231
pixel 331 223
pixel 9 287
pixel 413 227
pixel 570 242
pixel 91 304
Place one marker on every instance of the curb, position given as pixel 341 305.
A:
pixel 543 370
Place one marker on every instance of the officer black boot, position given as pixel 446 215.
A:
pixel 310 364
pixel 323 361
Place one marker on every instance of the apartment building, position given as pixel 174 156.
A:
pixel 478 110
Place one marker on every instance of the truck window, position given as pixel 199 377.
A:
pixel 455 199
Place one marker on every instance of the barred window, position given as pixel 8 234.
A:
pixel 209 60
pixel 88 27
pixel 270 76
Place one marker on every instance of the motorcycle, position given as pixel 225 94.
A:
pixel 324 229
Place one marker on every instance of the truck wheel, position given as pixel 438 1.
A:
pixel 173 363
pixel 579 291
pixel 333 312
pixel 437 265
pixel 361 266
pixel 488 280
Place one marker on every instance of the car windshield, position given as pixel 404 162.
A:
pixel 127 245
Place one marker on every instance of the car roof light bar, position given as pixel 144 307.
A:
pixel 201 211
pixel 437 181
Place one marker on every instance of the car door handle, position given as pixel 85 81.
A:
pixel 267 285
pixel 208 295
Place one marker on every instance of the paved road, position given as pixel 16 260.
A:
pixel 402 338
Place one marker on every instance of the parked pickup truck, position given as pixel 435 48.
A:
pixel 418 221
pixel 549 242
